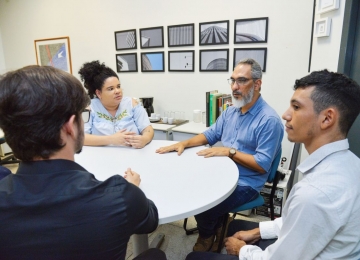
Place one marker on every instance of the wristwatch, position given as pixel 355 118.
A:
pixel 232 152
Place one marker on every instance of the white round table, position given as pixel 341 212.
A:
pixel 180 186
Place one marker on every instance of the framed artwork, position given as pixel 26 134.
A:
pixel 251 30
pixel 181 61
pixel 152 61
pixel 152 37
pixel 126 62
pixel 322 27
pixel 54 52
pixel 258 54
pixel 181 35
pixel 324 6
pixel 213 33
pixel 214 60
pixel 125 40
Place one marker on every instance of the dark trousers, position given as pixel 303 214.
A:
pixel 234 226
pixel 238 224
pixel 151 254
pixel 4 172
pixel 210 220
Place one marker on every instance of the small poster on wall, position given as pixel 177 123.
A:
pixel 152 61
pixel 258 54
pixel 251 30
pixel 54 52
pixel 126 62
pixel 214 60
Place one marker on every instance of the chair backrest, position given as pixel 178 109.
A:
pixel 274 179
pixel 274 167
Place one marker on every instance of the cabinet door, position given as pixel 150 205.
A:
pixel 180 136
pixel 162 135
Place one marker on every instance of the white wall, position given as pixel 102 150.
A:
pixel 326 49
pixel 91 24
pixel 2 59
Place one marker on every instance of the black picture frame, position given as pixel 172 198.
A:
pixel 253 30
pixel 214 33
pixel 181 35
pixel 125 40
pixel 152 37
pixel 126 62
pixel 214 60
pixel 181 61
pixel 152 61
pixel 258 54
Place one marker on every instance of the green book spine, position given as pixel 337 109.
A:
pixel 211 109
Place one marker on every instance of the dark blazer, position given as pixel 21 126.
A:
pixel 55 209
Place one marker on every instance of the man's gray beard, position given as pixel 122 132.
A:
pixel 246 99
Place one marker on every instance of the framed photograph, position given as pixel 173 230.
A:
pixel 323 6
pixel 152 37
pixel 214 60
pixel 181 61
pixel 181 35
pixel 126 62
pixel 125 40
pixel 251 30
pixel 258 54
pixel 322 27
pixel 213 33
pixel 54 52
pixel 152 61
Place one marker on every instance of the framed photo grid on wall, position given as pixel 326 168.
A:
pixel 125 40
pixel 152 61
pixel 126 62
pixel 54 52
pixel 213 33
pixel 214 60
pixel 152 37
pixel 181 61
pixel 251 30
pixel 258 54
pixel 181 35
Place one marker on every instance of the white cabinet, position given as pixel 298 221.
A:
pixel 162 131
pixel 186 131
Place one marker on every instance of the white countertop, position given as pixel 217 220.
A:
pixel 162 127
pixel 191 128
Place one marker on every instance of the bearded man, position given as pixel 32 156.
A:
pixel 251 133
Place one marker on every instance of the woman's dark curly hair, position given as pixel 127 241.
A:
pixel 94 74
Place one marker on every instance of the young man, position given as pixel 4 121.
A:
pixel 52 208
pixel 320 219
pixel 251 132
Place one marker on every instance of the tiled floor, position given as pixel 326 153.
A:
pixel 176 244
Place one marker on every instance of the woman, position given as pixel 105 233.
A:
pixel 114 119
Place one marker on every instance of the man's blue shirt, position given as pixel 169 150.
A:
pixel 258 132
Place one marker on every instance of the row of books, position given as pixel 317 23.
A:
pixel 216 103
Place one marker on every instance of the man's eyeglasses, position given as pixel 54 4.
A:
pixel 239 81
pixel 85 115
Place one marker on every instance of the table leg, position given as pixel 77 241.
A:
pixel 140 244
pixel 157 241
